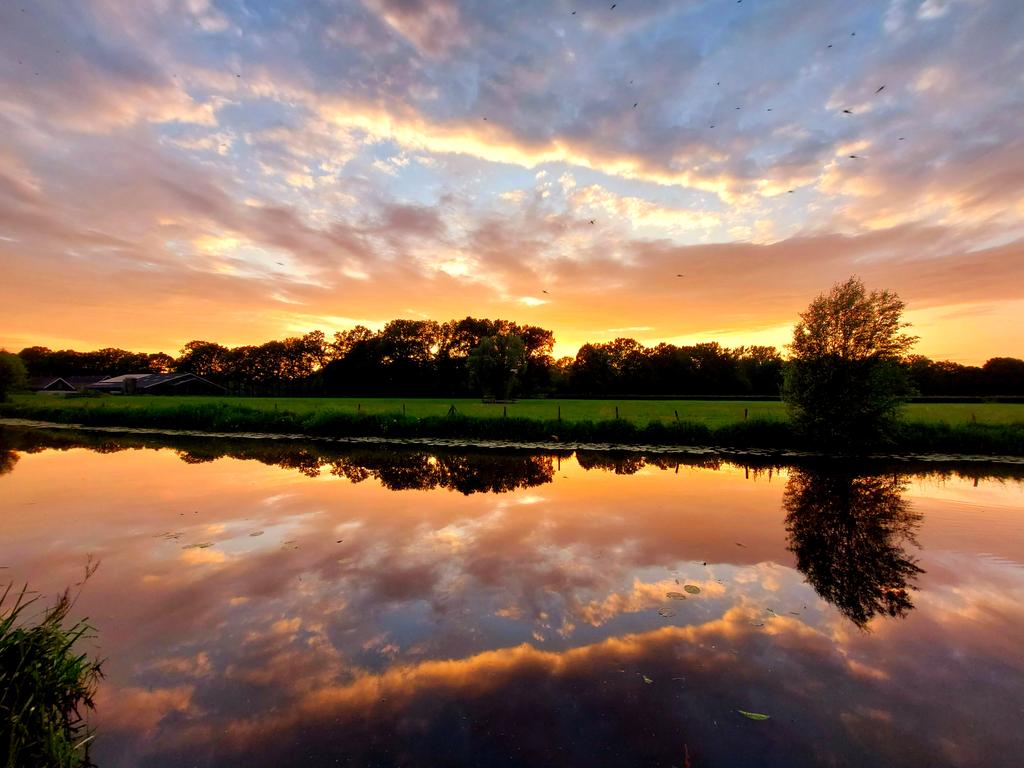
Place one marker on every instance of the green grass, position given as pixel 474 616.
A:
pixel 711 413
pixel 46 685
pixel 931 427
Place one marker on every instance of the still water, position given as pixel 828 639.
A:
pixel 272 604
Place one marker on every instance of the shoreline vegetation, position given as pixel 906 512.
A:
pixel 989 428
pixel 47 683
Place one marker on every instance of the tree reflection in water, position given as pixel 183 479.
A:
pixel 7 460
pixel 850 536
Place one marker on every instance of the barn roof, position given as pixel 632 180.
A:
pixel 144 381
pixel 42 382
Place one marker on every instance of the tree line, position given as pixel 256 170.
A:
pixel 496 358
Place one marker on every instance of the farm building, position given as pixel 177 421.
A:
pixel 50 384
pixel 157 384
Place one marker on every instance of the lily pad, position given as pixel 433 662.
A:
pixel 692 589
pixel 753 715
pixel 667 612
pixel 675 595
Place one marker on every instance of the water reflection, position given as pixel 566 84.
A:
pixel 398 470
pixel 331 620
pixel 850 535
pixel 8 459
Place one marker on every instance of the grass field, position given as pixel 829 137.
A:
pixel 712 413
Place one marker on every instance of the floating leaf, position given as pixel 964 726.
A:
pixel 692 589
pixel 753 715
pixel 201 545
pixel 647 679
pixel 667 612
pixel 675 595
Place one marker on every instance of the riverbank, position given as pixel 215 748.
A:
pixel 712 412
pixel 285 418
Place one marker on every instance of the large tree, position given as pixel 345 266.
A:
pixel 844 384
pixel 497 363
pixel 12 374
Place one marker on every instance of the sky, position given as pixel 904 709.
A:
pixel 242 170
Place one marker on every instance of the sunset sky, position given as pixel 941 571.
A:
pixel 241 170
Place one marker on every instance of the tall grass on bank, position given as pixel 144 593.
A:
pixel 46 685
pixel 226 416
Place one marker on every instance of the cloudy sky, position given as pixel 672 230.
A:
pixel 239 170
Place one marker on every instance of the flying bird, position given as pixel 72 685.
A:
pixel 680 275
pixel 613 7
pixel 790 192
pixel 847 112
pixel 880 89
pixel 902 138
pixel 592 221
pixel 830 45
pixel 635 103
pixel 853 34
pixel 543 291
pixel 855 157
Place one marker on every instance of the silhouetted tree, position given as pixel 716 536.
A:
pixel 844 382
pixel 849 535
pixel 592 371
pixel 12 374
pixel 1003 376
pixel 203 358
pixel 496 364
pixel 760 370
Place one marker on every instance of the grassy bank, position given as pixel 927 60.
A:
pixel 711 413
pixel 46 685
pixel 705 423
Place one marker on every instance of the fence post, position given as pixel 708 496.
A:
pixel 559 413
pixel 616 413
pixel 677 415
pixel 359 407
pixel 403 409
pixel 504 411
pixel 744 414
